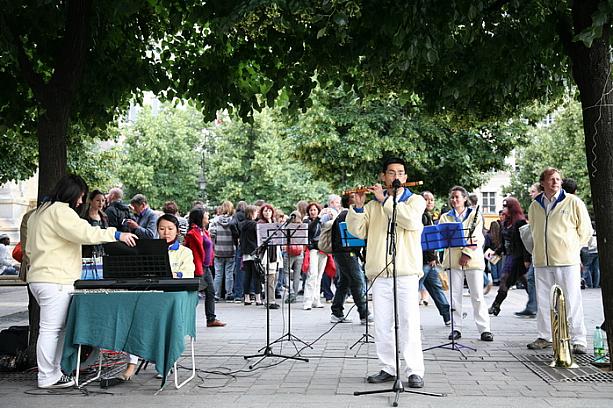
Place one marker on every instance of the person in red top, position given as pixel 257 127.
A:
pixel 194 240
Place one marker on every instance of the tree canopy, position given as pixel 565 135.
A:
pixel 559 145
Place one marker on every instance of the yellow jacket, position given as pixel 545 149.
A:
pixel 475 252
pixel 559 235
pixel 55 236
pixel 181 260
pixel 372 223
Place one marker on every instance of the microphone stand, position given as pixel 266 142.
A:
pixel 397 388
pixel 267 349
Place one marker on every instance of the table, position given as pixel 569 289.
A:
pixel 152 325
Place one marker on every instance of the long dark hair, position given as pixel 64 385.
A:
pixel 68 190
pixel 196 216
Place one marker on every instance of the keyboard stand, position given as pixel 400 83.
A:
pixel 99 373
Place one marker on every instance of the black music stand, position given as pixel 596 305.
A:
pixel 398 387
pixel 295 234
pixel 269 236
pixel 447 235
pixel 350 241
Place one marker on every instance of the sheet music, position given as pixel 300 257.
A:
pixel 298 233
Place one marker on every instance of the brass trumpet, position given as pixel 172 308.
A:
pixel 560 337
pixel 365 189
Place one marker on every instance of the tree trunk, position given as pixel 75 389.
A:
pixel 591 69
pixel 52 160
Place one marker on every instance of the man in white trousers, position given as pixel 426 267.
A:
pixel 371 221
pixel 560 226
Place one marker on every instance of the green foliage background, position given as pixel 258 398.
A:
pixel 560 145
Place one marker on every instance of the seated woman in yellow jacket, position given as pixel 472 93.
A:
pixel 181 265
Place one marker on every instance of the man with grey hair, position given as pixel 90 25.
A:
pixel 117 212
pixel 145 225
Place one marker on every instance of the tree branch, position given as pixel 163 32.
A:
pixel 32 78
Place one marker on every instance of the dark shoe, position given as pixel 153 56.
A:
pixel 277 296
pixel 273 306
pixel 215 323
pixel 487 336
pixel 526 313
pixel 416 381
pixel 229 298
pixel 65 381
pixel 539 344
pixel 247 303
pixel 455 335
pixel 579 349
pixel 380 378
pixel 494 310
pixel 111 382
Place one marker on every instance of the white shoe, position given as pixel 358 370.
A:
pixel 318 305
pixel 342 319
pixel 370 319
pixel 306 307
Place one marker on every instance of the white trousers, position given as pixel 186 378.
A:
pixel 409 336
pixel 53 300
pixel 312 286
pixel 569 279
pixel 474 278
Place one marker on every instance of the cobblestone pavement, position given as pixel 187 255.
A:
pixel 499 374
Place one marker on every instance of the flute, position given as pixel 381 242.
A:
pixel 363 189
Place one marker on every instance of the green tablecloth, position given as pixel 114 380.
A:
pixel 152 325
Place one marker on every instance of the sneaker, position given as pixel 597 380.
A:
pixel 238 300
pixel 318 305
pixel 349 299
pixel 539 344
pixel 341 319
pixel 291 299
pixel 447 322
pixel 306 307
pixel 229 298
pixel 526 313
pixel 579 349
pixel 370 319
pixel 65 381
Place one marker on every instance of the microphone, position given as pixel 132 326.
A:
pixel 396 184
pixel 292 216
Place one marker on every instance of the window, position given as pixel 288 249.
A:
pixel 489 202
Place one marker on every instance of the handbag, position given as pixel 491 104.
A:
pixel 526 237
pixel 442 275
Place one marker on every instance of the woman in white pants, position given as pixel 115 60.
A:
pixel 55 236
pixel 466 262
pixel 317 261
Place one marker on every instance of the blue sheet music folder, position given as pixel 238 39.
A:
pixel 349 240
pixel 447 235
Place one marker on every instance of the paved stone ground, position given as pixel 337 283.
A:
pixel 493 376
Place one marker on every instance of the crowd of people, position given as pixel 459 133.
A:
pixel 222 250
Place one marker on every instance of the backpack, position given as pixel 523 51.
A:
pixel 325 237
